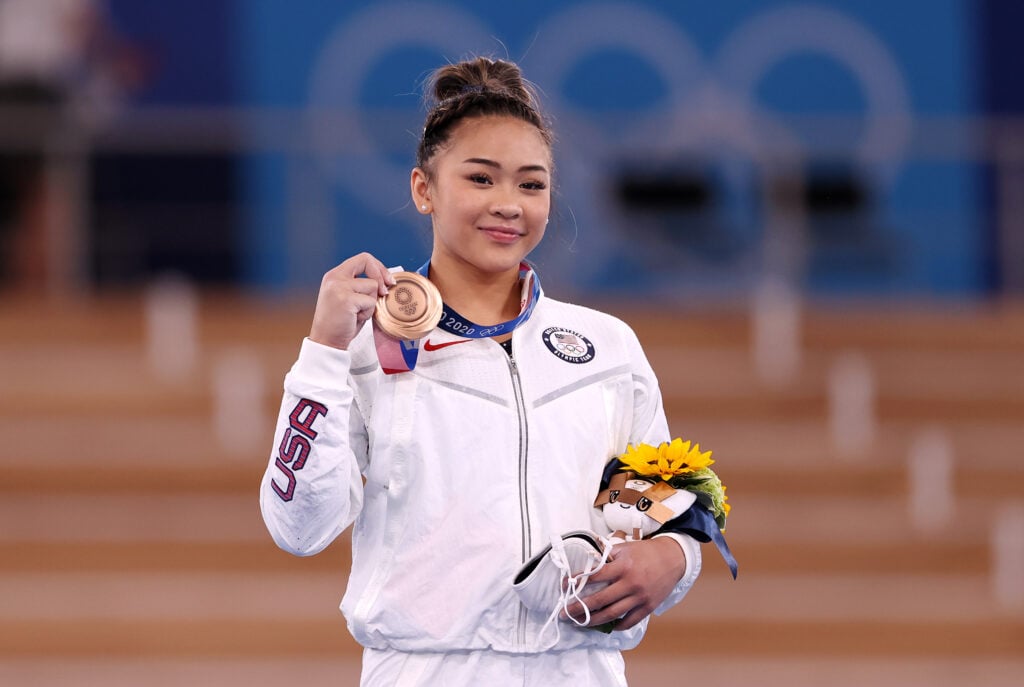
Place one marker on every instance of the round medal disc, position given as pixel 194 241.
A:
pixel 411 309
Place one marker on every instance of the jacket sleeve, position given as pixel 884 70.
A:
pixel 312 488
pixel 651 427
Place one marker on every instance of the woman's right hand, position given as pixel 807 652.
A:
pixel 348 296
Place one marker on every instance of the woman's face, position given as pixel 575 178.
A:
pixel 489 194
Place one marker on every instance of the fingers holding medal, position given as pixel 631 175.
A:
pixel 347 299
pixel 410 309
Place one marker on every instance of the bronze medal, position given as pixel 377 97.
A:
pixel 411 309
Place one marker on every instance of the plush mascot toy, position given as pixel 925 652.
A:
pixel 670 487
pixel 635 508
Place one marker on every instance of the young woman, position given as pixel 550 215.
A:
pixel 459 470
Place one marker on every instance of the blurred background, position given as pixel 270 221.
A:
pixel 811 212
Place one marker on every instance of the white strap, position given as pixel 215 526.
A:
pixel 572 585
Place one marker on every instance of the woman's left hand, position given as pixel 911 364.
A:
pixel 640 575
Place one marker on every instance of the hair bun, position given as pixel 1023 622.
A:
pixel 481 75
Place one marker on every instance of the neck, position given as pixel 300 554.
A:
pixel 484 298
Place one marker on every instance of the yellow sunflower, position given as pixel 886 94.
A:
pixel 666 461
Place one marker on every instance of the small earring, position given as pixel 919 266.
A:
pixel 423 207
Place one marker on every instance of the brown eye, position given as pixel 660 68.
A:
pixel 643 504
pixel 613 496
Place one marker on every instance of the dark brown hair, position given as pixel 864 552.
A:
pixel 476 88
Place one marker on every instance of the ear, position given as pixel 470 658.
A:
pixel 420 189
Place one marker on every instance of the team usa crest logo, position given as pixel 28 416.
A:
pixel 570 346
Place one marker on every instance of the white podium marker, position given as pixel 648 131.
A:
pixel 775 336
pixel 931 498
pixel 172 332
pixel 238 393
pixel 851 398
pixel 1008 558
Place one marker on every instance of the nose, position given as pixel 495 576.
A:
pixel 506 208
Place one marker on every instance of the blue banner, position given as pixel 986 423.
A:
pixel 699 144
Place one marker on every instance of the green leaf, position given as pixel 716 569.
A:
pixel 607 627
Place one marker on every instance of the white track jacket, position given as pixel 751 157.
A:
pixel 457 472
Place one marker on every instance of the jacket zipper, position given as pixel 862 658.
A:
pixel 524 505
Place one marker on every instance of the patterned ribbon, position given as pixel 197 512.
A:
pixel 455 323
pixel 397 356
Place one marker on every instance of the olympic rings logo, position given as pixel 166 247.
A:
pixel 571 349
pixel 568 345
pixel 708 96
pixel 712 101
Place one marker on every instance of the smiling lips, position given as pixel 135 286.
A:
pixel 502 234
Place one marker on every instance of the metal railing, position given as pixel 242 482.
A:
pixel 994 146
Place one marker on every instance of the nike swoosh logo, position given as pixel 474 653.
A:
pixel 427 346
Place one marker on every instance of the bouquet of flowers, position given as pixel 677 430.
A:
pixel 681 465
pixel 670 487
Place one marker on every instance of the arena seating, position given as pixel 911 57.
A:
pixel 132 551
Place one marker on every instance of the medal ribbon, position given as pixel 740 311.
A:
pixel 394 355
pixel 400 356
pixel 454 323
